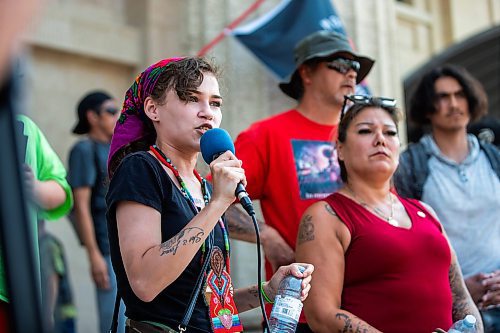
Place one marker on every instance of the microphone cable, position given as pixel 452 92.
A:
pixel 259 272
pixel 213 143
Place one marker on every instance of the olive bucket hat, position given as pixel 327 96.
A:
pixel 322 44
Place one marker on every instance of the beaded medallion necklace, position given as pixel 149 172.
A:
pixel 185 192
pixel 222 310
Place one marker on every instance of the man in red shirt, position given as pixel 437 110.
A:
pixel 289 159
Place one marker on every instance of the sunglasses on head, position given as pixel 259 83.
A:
pixel 382 102
pixel 343 65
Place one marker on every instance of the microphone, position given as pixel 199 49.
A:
pixel 214 143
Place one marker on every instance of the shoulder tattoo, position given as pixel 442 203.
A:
pixel 330 210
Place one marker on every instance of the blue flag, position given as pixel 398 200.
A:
pixel 273 36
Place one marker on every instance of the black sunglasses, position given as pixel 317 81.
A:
pixel 111 111
pixel 382 102
pixel 343 65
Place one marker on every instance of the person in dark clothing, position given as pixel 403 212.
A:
pixel 97 113
pixel 165 223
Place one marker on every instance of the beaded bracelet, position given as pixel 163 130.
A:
pixel 264 294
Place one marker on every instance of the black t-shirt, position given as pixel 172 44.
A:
pixel 87 168
pixel 141 178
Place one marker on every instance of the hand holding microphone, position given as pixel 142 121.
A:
pixel 217 146
pixel 226 174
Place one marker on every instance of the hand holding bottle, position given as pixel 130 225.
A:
pixel 288 301
pixel 271 287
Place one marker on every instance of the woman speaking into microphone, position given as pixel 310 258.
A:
pixel 168 239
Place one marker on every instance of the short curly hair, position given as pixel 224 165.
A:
pixel 422 103
pixel 181 76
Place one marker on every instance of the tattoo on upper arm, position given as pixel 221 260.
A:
pixel 306 229
pixel 330 210
pixel 184 237
pixel 349 326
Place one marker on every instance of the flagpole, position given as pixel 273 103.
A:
pixel 230 27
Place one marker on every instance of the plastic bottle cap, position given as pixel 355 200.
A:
pixel 470 320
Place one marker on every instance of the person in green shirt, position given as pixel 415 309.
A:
pixel 48 191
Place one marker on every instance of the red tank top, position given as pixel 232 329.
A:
pixel 395 279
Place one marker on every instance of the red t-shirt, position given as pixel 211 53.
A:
pixel 395 279
pixel 289 162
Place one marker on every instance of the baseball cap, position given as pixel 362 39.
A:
pixel 91 101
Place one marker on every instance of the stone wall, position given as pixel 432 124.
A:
pixel 80 45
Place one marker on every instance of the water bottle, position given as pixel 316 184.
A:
pixel 466 325
pixel 287 305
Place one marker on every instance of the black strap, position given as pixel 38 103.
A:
pixel 114 322
pixel 419 159
pixel 101 177
pixel 23 142
pixel 192 301
pixel 412 172
pixel 196 290
pixel 493 155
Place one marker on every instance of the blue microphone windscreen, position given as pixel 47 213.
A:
pixel 215 142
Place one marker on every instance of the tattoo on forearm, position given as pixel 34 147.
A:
pixel 330 210
pixel 461 304
pixel 238 222
pixel 349 326
pixel 462 301
pixel 254 291
pixel 306 229
pixel 184 237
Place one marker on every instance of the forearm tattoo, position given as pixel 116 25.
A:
pixel 254 291
pixel 349 326
pixel 186 236
pixel 461 304
pixel 238 222
pixel 306 229
pixel 252 300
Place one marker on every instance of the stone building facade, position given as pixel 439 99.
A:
pixel 79 45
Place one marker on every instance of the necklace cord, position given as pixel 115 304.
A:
pixel 189 198
pixel 206 196
pixel 390 219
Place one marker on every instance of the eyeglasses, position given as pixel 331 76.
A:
pixel 343 65
pixel 382 102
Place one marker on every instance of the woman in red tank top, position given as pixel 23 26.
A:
pixel 383 263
